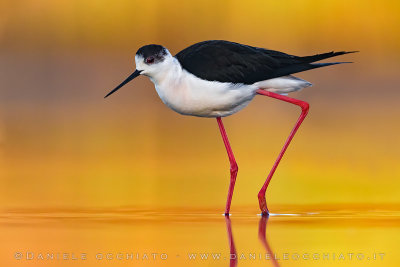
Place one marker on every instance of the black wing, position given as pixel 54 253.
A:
pixel 225 61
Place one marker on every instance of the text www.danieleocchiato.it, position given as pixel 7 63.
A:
pixel 199 256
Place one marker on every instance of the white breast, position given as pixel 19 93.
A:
pixel 189 95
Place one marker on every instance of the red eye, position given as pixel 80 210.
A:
pixel 149 60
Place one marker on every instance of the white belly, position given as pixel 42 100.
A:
pixel 190 95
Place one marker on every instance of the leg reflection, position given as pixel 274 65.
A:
pixel 262 235
pixel 232 249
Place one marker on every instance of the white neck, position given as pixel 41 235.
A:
pixel 169 72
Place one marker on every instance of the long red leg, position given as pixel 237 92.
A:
pixel 234 166
pixel 304 110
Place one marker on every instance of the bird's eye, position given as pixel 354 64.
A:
pixel 150 60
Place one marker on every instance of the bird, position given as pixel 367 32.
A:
pixel 217 78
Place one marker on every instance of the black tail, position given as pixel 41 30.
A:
pixel 306 63
pixel 318 57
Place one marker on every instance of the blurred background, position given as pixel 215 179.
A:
pixel 79 173
pixel 63 145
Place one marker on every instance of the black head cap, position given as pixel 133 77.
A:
pixel 154 52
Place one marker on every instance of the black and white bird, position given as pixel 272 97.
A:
pixel 218 78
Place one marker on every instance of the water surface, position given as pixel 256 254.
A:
pixel 344 235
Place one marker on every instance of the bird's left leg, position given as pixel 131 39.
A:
pixel 234 167
pixel 304 110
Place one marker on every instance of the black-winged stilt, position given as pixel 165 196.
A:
pixel 218 78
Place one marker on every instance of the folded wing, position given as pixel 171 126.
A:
pixel 225 61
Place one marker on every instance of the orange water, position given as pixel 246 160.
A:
pixel 344 235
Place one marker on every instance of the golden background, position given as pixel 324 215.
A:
pixel 62 146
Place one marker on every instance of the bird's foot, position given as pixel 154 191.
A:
pixel 265 214
pixel 263 204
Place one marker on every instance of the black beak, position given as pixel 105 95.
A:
pixel 130 78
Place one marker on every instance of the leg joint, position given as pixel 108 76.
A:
pixel 304 106
pixel 234 167
pixel 261 193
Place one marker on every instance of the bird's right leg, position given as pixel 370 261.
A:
pixel 234 166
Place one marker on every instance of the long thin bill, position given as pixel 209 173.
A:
pixel 130 78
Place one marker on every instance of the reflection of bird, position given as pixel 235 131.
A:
pixel 232 248
pixel 218 78
pixel 262 235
